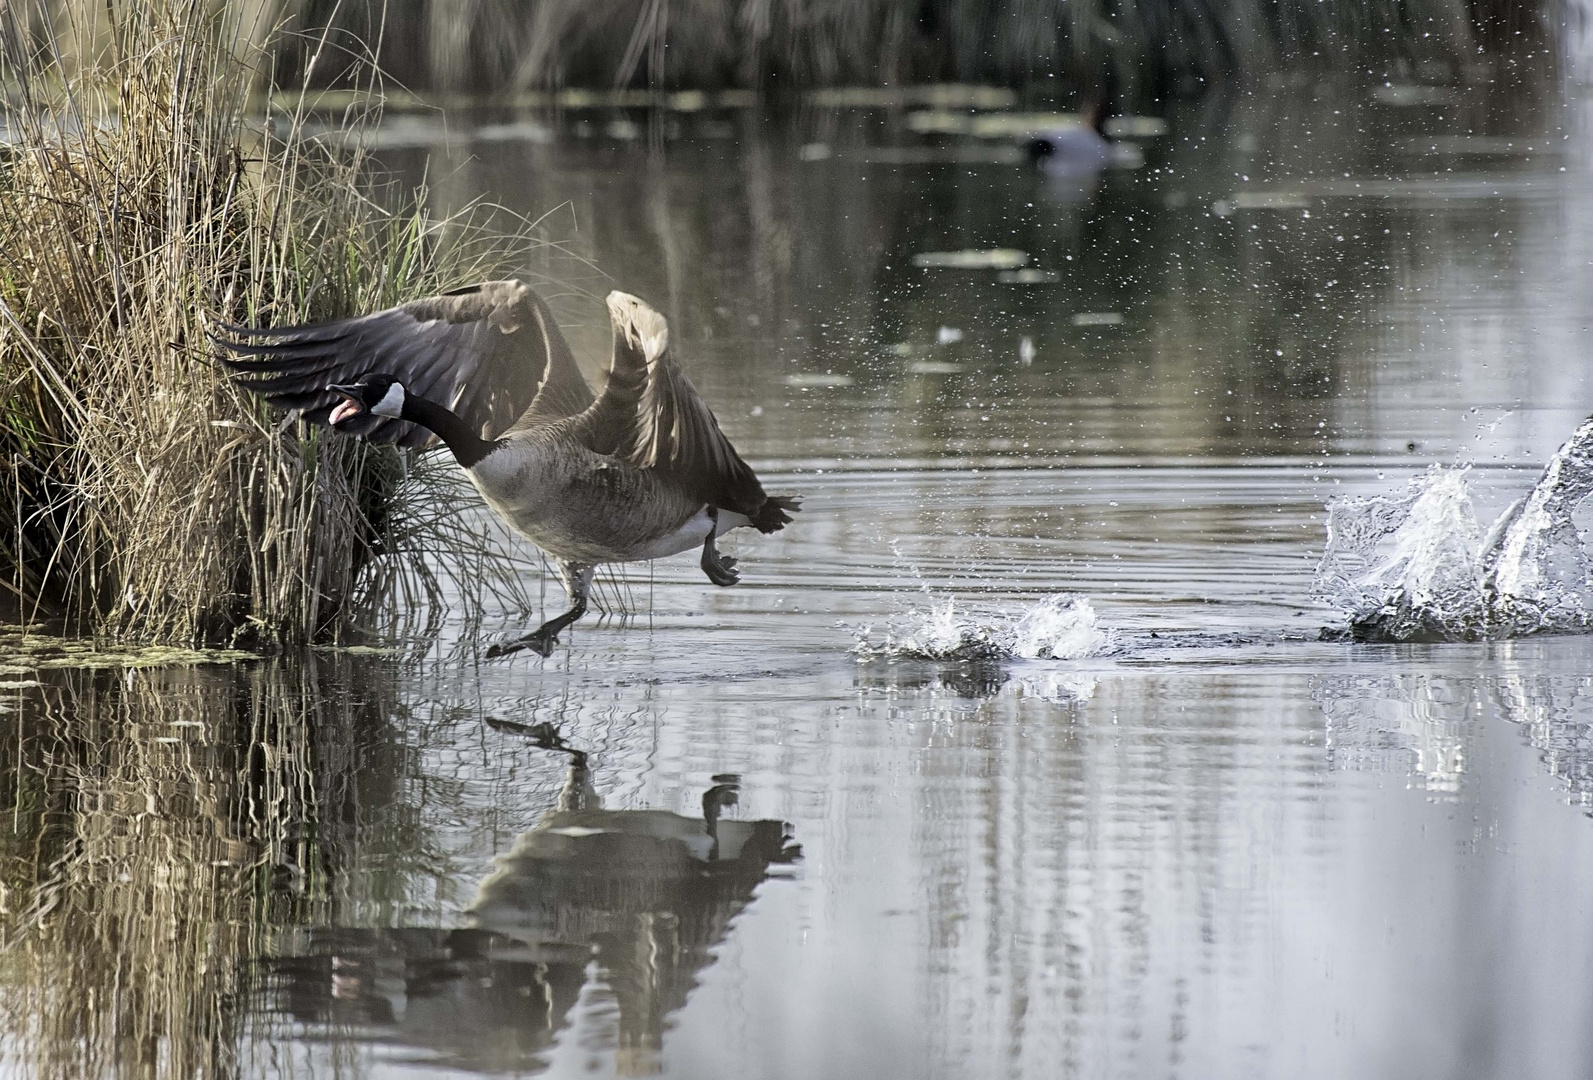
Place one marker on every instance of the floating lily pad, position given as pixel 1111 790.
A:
pixel 1134 127
pixel 993 125
pixel 1028 277
pixel 817 378
pixel 362 650
pixel 941 95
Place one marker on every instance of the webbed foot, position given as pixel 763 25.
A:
pixel 577 579
pixel 537 641
pixel 721 569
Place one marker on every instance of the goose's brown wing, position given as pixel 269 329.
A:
pixel 491 353
pixel 651 416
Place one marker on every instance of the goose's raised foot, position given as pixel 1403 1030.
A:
pixel 537 641
pixel 721 569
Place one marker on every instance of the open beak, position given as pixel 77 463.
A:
pixel 350 406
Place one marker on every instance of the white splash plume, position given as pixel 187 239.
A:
pixel 1053 628
pixel 1412 566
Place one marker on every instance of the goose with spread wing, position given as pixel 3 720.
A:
pixel 640 471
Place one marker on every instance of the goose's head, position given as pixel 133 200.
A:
pixel 643 327
pixel 380 395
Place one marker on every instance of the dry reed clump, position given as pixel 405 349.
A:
pixel 140 495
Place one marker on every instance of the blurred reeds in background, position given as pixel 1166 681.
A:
pixel 1153 48
pixel 140 495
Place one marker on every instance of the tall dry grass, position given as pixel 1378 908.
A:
pixel 140 495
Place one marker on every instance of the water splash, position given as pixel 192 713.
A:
pixel 1534 564
pixel 1413 567
pixel 1055 628
pixel 1404 566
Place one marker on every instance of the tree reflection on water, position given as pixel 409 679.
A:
pixel 164 824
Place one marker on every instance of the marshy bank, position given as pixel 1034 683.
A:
pixel 140 496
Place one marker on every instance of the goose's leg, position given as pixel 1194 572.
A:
pixel 577 792
pixel 577 582
pixel 721 569
pixel 724 793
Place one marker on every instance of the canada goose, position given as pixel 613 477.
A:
pixel 640 472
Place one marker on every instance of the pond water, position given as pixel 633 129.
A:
pixel 746 832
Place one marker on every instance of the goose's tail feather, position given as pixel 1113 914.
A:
pixel 776 513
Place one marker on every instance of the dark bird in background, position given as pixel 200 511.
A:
pixel 1071 149
pixel 641 471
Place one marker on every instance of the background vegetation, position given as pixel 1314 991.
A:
pixel 140 496
pixel 1155 48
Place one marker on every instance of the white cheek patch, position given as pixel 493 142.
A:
pixel 653 345
pixel 392 403
pixel 644 327
pixel 650 329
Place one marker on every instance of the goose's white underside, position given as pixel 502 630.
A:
pixel 688 536
pixel 529 500
pixel 547 536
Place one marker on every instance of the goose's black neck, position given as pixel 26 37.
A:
pixel 467 447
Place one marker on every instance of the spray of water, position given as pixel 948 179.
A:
pixel 1414 566
pixel 1054 628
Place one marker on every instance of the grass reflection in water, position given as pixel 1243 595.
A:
pixel 165 824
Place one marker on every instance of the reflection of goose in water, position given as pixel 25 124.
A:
pixel 651 890
pixel 645 894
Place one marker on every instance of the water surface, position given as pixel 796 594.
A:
pixel 1220 847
